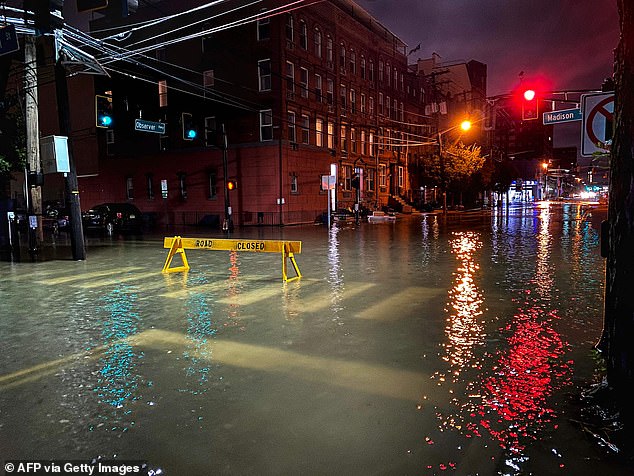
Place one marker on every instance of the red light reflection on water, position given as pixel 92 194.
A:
pixel 507 390
pixel 515 397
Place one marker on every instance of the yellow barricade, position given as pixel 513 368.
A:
pixel 178 245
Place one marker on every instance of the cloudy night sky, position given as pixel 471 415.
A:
pixel 567 43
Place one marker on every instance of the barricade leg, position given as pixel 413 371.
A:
pixel 176 248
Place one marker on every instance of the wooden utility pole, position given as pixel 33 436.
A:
pixel 33 186
pixel 77 243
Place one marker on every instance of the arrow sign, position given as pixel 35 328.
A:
pixel 564 115
pixel 8 40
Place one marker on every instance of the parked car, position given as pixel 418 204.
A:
pixel 56 216
pixel 113 218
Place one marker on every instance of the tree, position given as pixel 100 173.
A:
pixel 12 140
pixel 619 298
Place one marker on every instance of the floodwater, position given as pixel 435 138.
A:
pixel 425 346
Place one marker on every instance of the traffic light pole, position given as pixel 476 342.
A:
pixel 227 226
pixel 78 247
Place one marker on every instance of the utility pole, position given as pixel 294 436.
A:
pixel 72 188
pixel 32 178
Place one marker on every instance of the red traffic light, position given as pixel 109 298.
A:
pixel 530 105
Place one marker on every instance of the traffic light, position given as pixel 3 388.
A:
pixel 189 129
pixel 103 111
pixel 530 107
pixel 232 184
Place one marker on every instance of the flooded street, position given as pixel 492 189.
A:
pixel 411 348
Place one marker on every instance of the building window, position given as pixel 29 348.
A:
pixel 289 28
pixel 212 179
pixel 380 104
pixel 353 140
pixel 371 144
pixel 303 35
pixel 290 119
pixel 331 91
pixel 317 43
pixel 182 185
pixel 364 144
pixel 343 140
pixel 353 62
pixel 264 29
pixel 371 106
pixel 162 93
pixel 353 101
pixel 371 75
pixel 264 74
pixel 387 74
pixel 347 177
pixel 400 177
pixel 210 130
pixel 363 69
pixel 402 113
pixel 342 58
pixel 294 186
pixel 362 103
pixel 395 109
pixel 370 179
pixel 305 129
pixel 290 80
pixel 395 78
pixel 319 132
pixel 380 71
pixel 388 106
pixel 149 186
pixel 303 81
pixel 129 188
pixel 318 88
pixel 343 94
pixel 331 135
pixel 329 48
pixel 382 176
pixel 266 125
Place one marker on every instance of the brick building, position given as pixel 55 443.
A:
pixel 295 91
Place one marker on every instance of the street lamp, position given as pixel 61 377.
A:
pixel 545 174
pixel 464 126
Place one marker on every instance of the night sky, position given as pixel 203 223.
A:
pixel 568 44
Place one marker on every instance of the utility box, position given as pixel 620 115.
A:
pixel 54 154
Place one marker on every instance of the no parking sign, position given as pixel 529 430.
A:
pixel 597 123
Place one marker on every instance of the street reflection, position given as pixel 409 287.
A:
pixel 335 275
pixel 118 381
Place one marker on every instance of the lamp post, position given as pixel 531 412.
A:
pixel 464 126
pixel 545 174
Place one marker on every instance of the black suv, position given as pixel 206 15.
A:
pixel 113 218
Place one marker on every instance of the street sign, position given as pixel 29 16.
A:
pixel 8 40
pixel 149 126
pixel 564 115
pixel 598 117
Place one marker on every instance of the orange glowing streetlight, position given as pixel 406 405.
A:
pixel 465 125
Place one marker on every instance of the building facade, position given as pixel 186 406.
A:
pixel 279 98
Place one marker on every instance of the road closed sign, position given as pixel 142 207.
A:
pixel 597 123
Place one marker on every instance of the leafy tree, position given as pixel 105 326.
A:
pixel 12 140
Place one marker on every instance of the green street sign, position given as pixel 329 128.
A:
pixel 149 126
